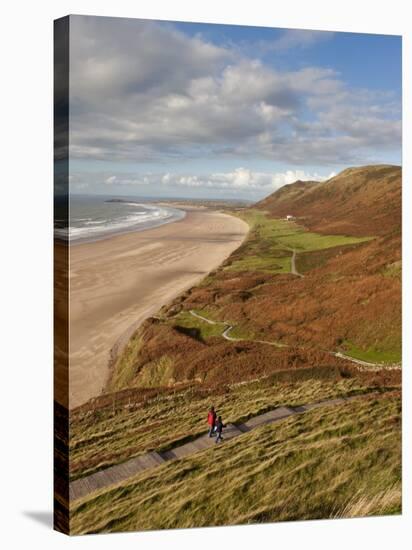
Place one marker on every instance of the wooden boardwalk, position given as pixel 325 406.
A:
pixel 121 472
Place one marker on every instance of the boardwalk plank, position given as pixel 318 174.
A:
pixel 269 417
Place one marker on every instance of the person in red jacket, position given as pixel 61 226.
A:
pixel 211 420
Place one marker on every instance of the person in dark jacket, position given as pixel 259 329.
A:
pixel 211 420
pixel 219 429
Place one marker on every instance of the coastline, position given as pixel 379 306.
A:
pixel 117 282
pixel 176 214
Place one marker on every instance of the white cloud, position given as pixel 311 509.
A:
pixel 142 91
pixel 128 180
pixel 247 180
pixel 242 179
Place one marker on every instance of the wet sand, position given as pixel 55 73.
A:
pixel 117 283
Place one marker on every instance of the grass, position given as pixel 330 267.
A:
pixel 341 461
pixel 393 270
pixel 267 249
pixel 105 438
pixel 200 329
pixel 156 373
pixel 305 261
pixel 204 330
pixel 373 354
pixel 243 333
pixel 271 242
pixel 386 502
pixel 270 264
pixel 123 369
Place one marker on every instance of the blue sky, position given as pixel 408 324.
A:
pixel 220 111
pixel 366 60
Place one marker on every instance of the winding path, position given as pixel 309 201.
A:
pixel 370 366
pixel 228 327
pixel 121 472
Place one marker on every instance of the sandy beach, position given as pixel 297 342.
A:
pixel 117 283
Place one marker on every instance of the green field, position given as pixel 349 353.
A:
pixel 374 354
pixel 339 461
pixel 271 242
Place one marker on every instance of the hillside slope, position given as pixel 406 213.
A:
pixel 345 462
pixel 333 462
pixel 358 201
pixel 349 299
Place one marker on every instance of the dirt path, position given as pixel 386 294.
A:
pixel 227 328
pixel 366 364
pixel 293 269
pixel 121 472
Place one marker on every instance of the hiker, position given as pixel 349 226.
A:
pixel 211 420
pixel 219 428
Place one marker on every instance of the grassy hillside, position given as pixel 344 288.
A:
pixel 335 462
pixel 109 435
pixel 349 299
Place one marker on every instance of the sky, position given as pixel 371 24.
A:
pixel 166 109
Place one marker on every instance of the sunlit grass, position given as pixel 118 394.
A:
pixel 340 461
pixel 105 438
pixel 374 354
pixel 271 242
pixel 201 329
pixel 123 370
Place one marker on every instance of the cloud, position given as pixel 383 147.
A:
pixel 127 180
pixel 294 38
pixel 242 181
pixel 247 180
pixel 142 91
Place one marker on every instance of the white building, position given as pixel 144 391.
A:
pixel 290 218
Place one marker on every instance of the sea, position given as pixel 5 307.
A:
pixel 94 218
